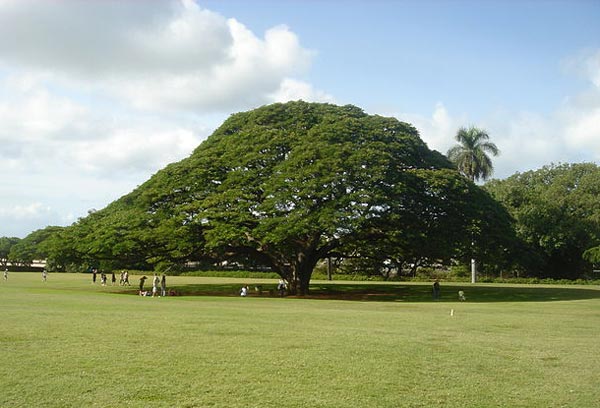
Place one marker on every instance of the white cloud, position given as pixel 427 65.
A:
pixel 293 90
pixel 40 129
pixel 21 219
pixel 581 114
pixel 582 131
pixel 32 210
pixel 586 64
pixel 38 115
pixel 141 149
pixel 437 130
pixel 157 55
pixel 526 141
pixel 99 39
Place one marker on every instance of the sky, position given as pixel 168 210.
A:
pixel 98 95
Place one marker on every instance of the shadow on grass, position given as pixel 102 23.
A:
pixel 402 292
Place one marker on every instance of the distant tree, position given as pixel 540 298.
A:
pixel 557 215
pixel 33 246
pixel 471 154
pixel 6 243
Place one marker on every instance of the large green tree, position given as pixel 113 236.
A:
pixel 289 184
pixel 471 154
pixel 557 213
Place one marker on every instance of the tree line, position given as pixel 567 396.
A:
pixel 286 186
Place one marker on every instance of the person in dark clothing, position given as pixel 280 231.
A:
pixel 436 290
pixel 163 285
pixel 142 280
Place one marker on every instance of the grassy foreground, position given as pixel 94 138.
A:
pixel 68 343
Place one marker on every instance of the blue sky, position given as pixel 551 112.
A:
pixel 412 52
pixel 96 96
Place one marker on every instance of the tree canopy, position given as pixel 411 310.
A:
pixel 35 246
pixel 286 185
pixel 557 215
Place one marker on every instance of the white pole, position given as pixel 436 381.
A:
pixel 473 271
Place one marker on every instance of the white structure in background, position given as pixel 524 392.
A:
pixel 36 263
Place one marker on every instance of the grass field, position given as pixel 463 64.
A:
pixel 68 343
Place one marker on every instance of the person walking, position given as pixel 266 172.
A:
pixel 6 274
pixel 44 274
pixel 163 285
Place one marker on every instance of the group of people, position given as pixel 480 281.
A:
pixel 103 277
pixel 124 278
pixel 158 284
pixel 281 288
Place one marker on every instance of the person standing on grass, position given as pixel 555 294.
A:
pixel 44 274
pixel 163 285
pixel 6 274
pixel 436 290
pixel 142 280
pixel 281 287
pixel 155 283
pixel 126 278
pixel 94 275
pixel 113 278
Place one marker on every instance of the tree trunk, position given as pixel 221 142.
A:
pixel 304 285
pixel 303 269
pixel 473 261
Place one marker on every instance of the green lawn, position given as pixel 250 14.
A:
pixel 68 343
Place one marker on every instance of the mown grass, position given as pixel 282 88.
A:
pixel 67 343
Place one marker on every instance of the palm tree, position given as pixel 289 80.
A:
pixel 471 159
pixel 471 154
